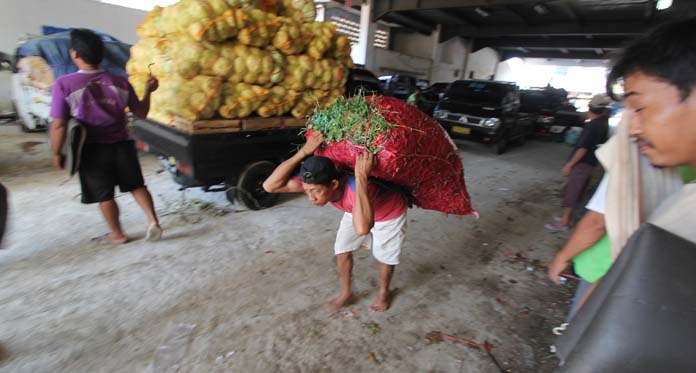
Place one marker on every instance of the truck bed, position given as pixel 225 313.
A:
pixel 211 152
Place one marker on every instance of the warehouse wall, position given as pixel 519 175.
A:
pixel 482 64
pixel 391 62
pixel 21 17
pixel 508 70
pixel 415 53
pixel 412 44
pixel 450 59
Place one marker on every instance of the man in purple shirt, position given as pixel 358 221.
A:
pixel 109 158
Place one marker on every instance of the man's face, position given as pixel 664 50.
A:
pixel 319 194
pixel 663 124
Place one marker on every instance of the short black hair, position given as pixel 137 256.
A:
pixel 599 110
pixel 318 170
pixel 668 53
pixel 88 46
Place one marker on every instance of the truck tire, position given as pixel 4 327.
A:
pixel 250 186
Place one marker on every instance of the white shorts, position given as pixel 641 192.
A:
pixel 384 239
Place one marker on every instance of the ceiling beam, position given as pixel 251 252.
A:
pixel 549 43
pixel 627 28
pixel 383 7
pixel 572 55
pixel 517 14
pixel 567 8
pixel 410 22
pixel 459 20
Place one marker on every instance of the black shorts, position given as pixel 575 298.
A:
pixel 103 166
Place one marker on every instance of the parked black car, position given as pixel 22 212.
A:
pixel 486 111
pixel 423 84
pixel 430 97
pixel 551 110
pixel 399 86
pixel 362 80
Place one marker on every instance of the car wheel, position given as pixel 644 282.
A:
pixel 250 186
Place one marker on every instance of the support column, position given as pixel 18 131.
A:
pixel 436 55
pixel 468 46
pixel 364 52
pixel 321 13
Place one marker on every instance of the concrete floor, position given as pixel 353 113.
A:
pixel 230 290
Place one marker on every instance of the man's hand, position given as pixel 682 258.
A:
pixel 364 164
pixel 152 84
pixel 567 169
pixel 58 161
pixel 313 143
pixel 556 267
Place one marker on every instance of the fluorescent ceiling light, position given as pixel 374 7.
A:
pixel 663 4
pixel 481 12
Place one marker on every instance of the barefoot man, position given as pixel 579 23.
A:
pixel 98 99
pixel 372 217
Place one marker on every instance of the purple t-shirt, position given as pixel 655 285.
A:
pixel 97 99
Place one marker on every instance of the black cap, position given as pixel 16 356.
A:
pixel 318 170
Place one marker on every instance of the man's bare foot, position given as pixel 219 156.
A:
pixel 381 304
pixel 117 238
pixel 339 302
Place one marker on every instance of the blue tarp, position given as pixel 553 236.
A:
pixel 55 49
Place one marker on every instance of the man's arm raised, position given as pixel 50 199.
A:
pixel 363 211
pixel 280 180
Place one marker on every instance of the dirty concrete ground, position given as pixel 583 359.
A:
pixel 230 290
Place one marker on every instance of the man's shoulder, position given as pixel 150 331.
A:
pixel 116 78
pixel 599 122
pixel 67 78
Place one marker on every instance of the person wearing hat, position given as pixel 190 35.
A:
pixel 373 217
pixel 583 161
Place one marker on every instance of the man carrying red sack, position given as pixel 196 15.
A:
pixel 374 217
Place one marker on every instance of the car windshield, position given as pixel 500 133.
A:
pixel 438 87
pixel 477 92
pixel 532 100
pixel 403 79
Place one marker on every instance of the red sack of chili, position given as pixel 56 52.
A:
pixel 412 149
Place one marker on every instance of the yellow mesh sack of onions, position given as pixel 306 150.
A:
pixel 150 26
pixel 261 31
pixel 302 11
pixel 239 100
pixel 212 20
pixel 292 37
pixel 254 66
pixel 299 72
pixel 326 74
pixel 340 50
pixel 307 101
pixel 191 99
pixel 323 36
pixel 279 102
pixel 177 55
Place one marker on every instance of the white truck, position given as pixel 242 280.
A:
pixel 32 97
pixel 42 59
